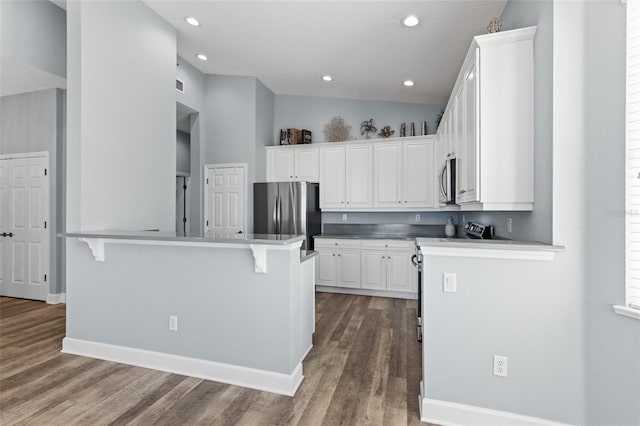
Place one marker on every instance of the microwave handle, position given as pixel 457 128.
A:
pixel 443 191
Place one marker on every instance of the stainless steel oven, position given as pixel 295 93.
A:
pixel 416 259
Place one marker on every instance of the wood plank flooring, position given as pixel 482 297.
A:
pixel 364 369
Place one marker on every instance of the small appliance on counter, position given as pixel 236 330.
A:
pixel 478 231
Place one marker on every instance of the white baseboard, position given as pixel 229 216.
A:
pixel 56 298
pixel 446 413
pixel 269 381
pixel 366 292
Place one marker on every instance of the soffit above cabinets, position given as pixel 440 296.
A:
pixel 289 45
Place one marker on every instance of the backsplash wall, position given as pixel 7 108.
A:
pixel 405 218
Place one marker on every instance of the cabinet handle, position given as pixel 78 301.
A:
pixel 4 234
pixel 462 191
pixel 335 244
pixel 10 234
pixel 386 245
pixel 333 255
pixel 383 257
pixel 338 255
pixel 388 257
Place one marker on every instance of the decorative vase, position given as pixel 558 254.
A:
pixel 450 228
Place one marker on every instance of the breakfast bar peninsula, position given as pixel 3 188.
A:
pixel 236 309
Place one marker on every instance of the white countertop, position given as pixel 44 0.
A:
pixel 506 249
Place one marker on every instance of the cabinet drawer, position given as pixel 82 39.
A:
pixel 389 245
pixel 336 243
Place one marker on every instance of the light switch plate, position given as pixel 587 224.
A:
pixel 449 282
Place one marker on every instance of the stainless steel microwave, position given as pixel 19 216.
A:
pixel 447 182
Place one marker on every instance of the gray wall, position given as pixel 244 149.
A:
pixel 524 310
pixel 193 97
pixel 264 128
pixel 535 225
pixel 34 122
pixel 313 113
pixel 34 32
pixel 122 147
pixel 230 111
pixel 183 152
pixel 613 342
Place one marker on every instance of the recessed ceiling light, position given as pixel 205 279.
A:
pixel 409 83
pixel 410 21
pixel 327 78
pixel 201 57
pixel 193 21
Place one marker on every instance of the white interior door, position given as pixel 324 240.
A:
pixel 24 234
pixel 225 201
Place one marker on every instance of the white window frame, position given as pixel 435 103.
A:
pixel 631 308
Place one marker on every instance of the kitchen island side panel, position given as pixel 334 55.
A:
pixel 227 313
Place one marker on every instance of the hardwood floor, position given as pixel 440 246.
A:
pixel 364 368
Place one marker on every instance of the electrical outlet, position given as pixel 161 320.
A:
pixel 449 282
pixel 417 218
pixel 173 323
pixel 500 364
pixel 344 217
pixel 509 225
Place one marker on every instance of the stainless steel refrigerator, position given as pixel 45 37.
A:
pixel 287 208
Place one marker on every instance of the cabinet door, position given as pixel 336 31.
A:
pixel 280 165
pixel 400 271
pixel 332 177
pixel 374 270
pixel 306 164
pixel 471 142
pixel 387 172
pixel 419 174
pixel 348 269
pixel 326 267
pixel 359 176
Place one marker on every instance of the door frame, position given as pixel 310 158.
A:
pixel 208 167
pixel 45 154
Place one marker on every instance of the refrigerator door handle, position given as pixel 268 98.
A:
pixel 278 215
pixel 294 207
pixel 275 215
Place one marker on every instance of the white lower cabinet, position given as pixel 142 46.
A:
pixel 338 263
pixel 376 265
pixel 386 265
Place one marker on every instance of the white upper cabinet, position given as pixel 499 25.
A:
pixel 359 174
pixel 332 177
pixel 419 189
pixel 289 163
pixel 490 116
pixel 387 174
pixel 306 164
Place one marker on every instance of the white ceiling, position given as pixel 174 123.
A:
pixel 289 45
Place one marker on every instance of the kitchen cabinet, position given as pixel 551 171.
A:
pixel 346 176
pixel 489 119
pixel 387 172
pixel 289 163
pixel 338 263
pixel 386 265
pixel 374 267
pixel 404 176
pixel 419 175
